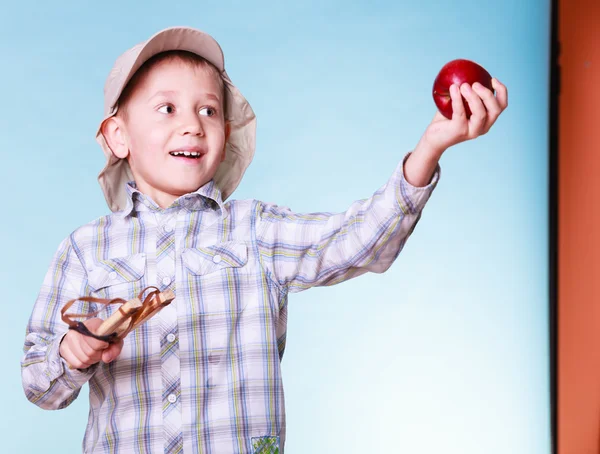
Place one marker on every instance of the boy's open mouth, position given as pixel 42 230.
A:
pixel 186 154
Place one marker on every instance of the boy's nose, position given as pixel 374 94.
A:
pixel 192 125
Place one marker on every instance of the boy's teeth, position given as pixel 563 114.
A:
pixel 193 154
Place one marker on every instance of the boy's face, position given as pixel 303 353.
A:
pixel 173 132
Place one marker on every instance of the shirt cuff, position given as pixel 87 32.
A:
pixel 412 199
pixel 58 368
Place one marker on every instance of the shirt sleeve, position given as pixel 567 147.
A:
pixel 300 251
pixel 47 379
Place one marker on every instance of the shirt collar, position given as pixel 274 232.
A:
pixel 208 197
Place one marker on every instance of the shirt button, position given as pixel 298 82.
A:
pixel 170 337
pixel 172 398
pixel 217 258
pixel 113 275
pixel 166 280
pixel 167 228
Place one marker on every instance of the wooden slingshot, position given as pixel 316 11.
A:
pixel 128 317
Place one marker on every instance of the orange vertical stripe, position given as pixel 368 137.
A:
pixel 579 228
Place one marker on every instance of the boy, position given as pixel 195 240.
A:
pixel 203 375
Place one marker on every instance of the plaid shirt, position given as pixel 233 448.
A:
pixel 204 374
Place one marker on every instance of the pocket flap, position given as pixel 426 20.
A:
pixel 117 270
pixel 208 259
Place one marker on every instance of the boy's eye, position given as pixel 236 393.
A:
pixel 168 109
pixel 208 111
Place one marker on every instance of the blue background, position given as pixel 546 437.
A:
pixel 446 352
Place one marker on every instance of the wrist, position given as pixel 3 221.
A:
pixel 428 151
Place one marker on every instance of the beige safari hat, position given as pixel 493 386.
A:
pixel 242 139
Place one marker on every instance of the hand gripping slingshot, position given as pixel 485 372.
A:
pixel 128 317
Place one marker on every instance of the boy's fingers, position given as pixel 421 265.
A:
pixel 92 355
pixel 491 105
pixel 75 355
pixel 93 324
pixel 478 112
pixel 458 108
pixel 501 93
pixel 112 352
pixel 71 360
pixel 489 100
pixel 85 347
pixel 107 356
pixel 95 345
pixel 84 351
pixel 79 350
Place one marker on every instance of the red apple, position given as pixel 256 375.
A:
pixel 457 72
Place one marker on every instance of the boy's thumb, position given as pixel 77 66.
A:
pixel 112 352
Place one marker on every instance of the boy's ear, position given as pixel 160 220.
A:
pixel 227 132
pixel 113 130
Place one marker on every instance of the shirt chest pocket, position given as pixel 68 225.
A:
pixel 216 277
pixel 119 277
